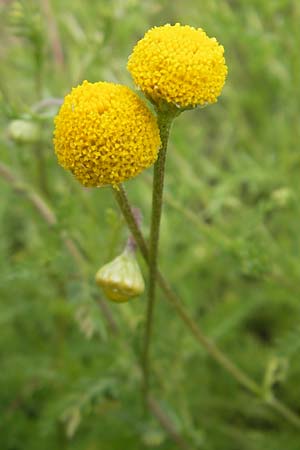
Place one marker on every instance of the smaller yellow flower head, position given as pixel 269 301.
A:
pixel 179 64
pixel 105 134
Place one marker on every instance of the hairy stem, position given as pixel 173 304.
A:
pixel 127 212
pixel 238 374
pixel 164 122
pixel 283 410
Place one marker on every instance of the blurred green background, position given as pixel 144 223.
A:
pixel 229 243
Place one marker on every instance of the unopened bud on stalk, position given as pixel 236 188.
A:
pixel 24 131
pixel 121 279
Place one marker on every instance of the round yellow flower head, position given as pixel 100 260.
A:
pixel 105 134
pixel 180 65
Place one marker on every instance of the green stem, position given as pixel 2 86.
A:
pixel 164 123
pixel 284 411
pixel 124 205
pixel 239 375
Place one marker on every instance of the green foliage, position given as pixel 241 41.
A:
pixel 230 240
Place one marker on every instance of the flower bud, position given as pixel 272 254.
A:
pixel 153 437
pixel 282 197
pixel 121 279
pixel 24 131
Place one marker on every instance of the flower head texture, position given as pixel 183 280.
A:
pixel 180 65
pixel 105 134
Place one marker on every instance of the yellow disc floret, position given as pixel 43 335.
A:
pixel 105 134
pixel 180 65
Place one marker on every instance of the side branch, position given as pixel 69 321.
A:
pixel 238 374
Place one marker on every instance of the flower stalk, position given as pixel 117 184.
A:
pixel 165 120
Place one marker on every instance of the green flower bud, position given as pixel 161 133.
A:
pixel 153 437
pixel 282 197
pixel 24 131
pixel 121 279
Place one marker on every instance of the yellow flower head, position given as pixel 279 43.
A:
pixel 105 134
pixel 180 65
